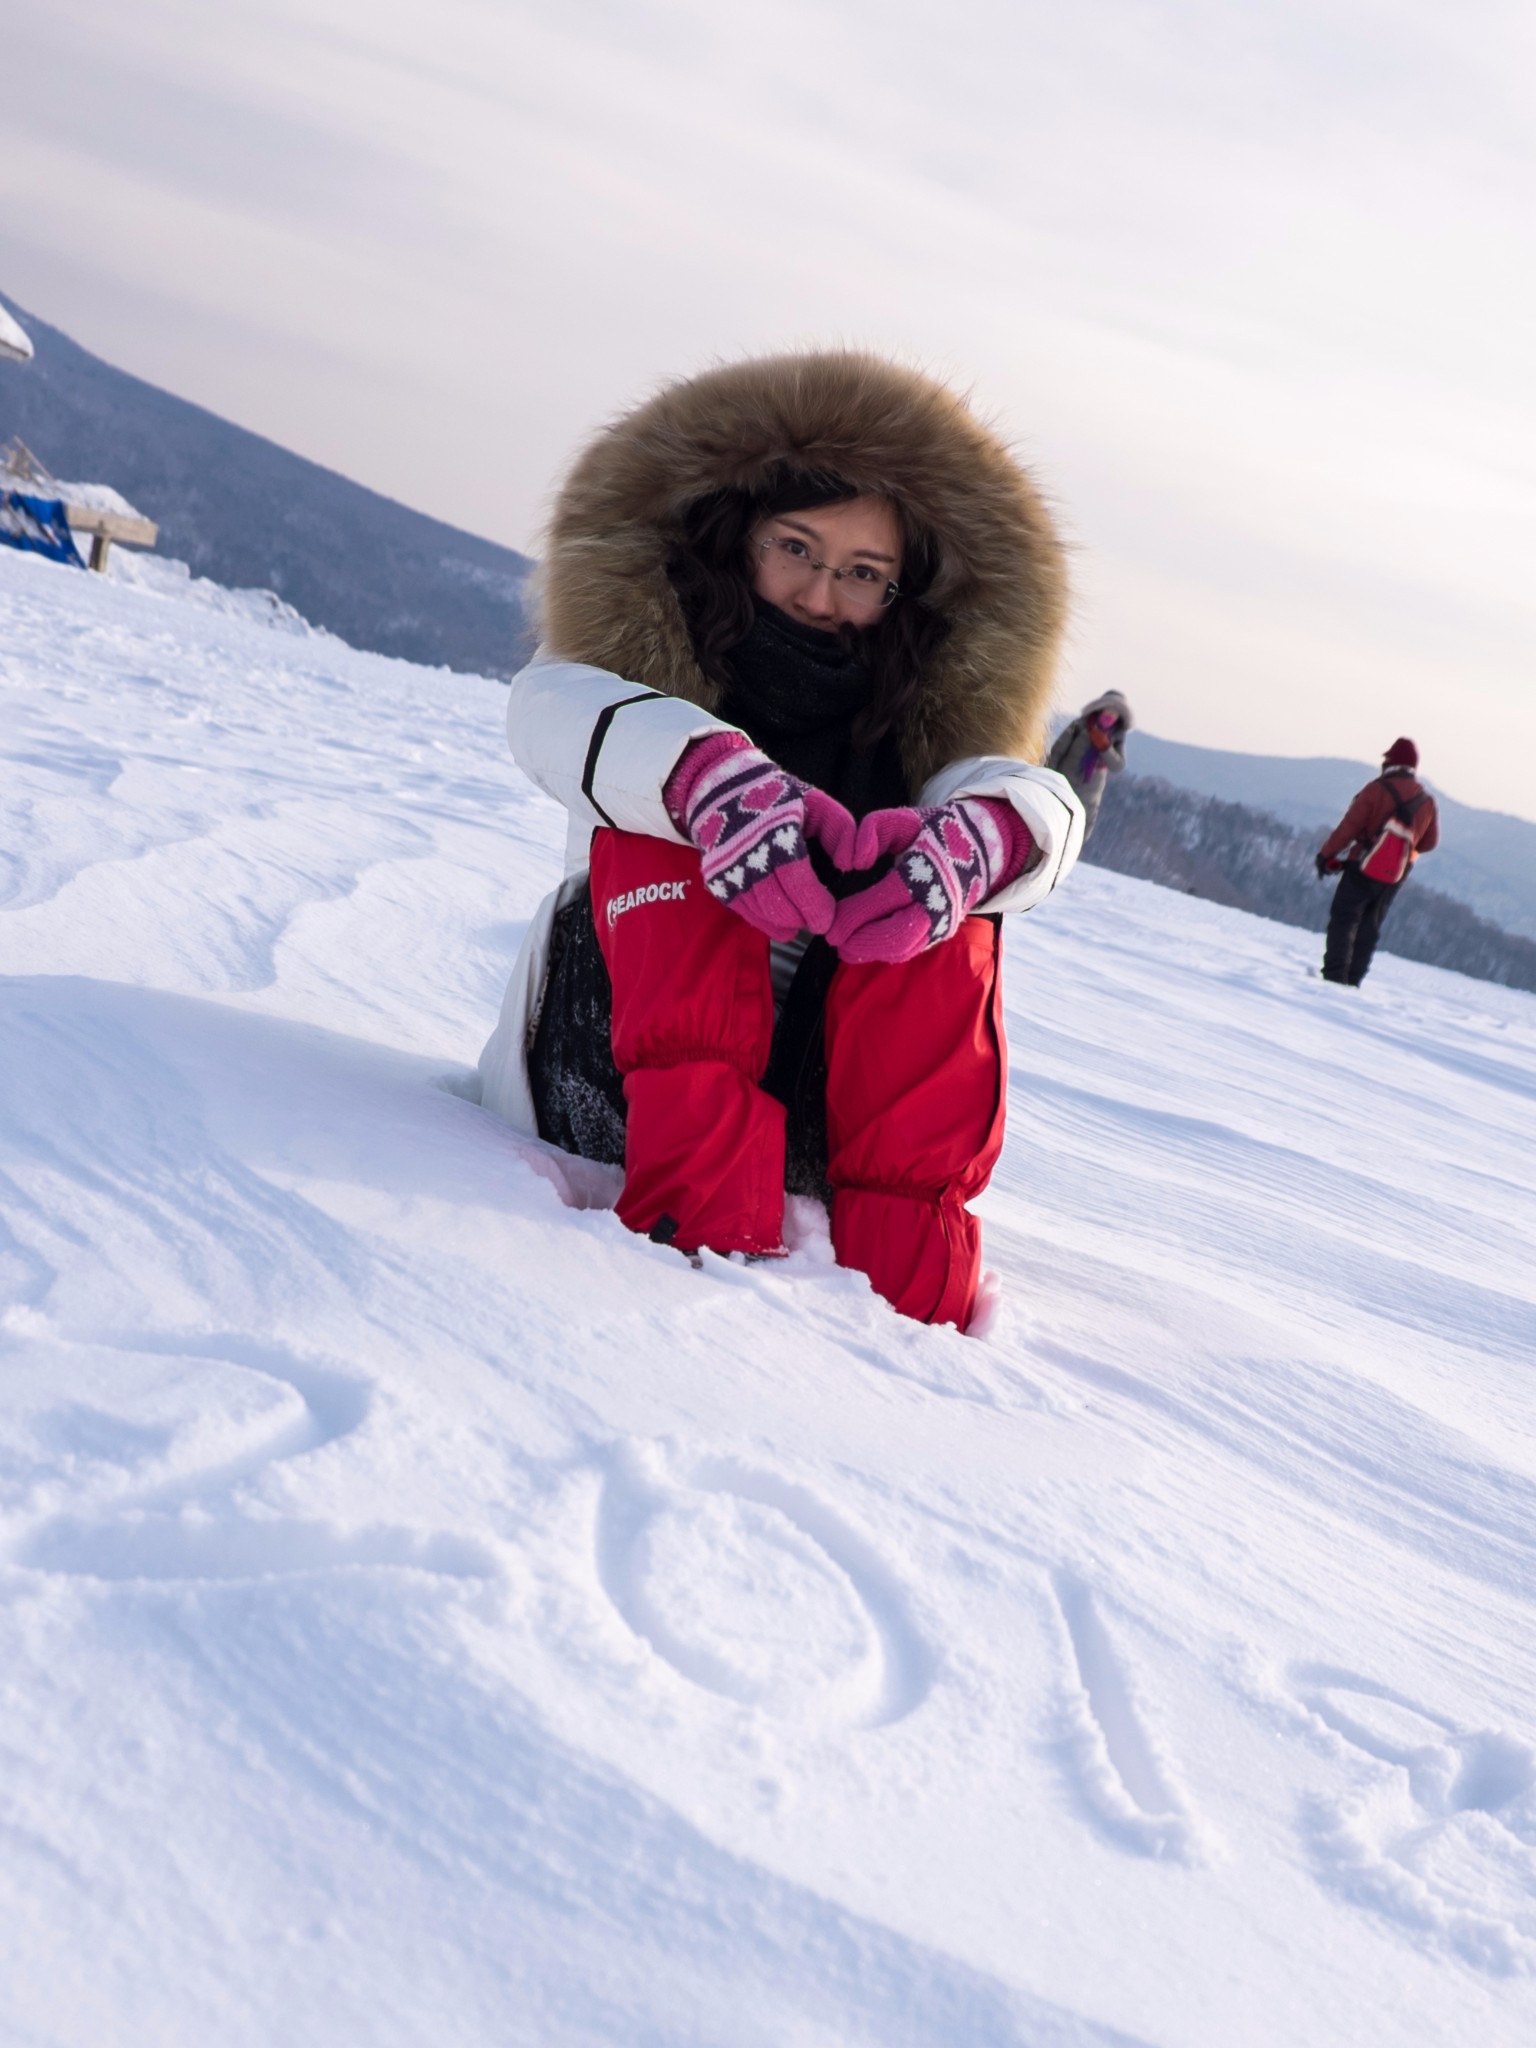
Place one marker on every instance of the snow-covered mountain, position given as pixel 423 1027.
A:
pixel 432 1615
pixel 237 508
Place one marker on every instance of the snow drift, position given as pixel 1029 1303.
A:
pixel 430 1614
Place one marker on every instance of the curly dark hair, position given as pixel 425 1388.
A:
pixel 710 571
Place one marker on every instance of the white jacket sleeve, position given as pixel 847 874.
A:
pixel 1045 802
pixel 599 745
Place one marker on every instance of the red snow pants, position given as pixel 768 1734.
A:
pixel 915 1083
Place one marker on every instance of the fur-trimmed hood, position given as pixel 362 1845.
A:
pixel 1001 579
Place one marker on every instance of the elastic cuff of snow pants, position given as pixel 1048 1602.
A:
pixel 705 1147
pixel 923 1255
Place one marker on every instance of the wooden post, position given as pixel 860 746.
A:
pixel 101 547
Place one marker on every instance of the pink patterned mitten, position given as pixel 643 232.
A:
pixel 964 852
pixel 749 820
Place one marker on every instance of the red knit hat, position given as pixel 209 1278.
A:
pixel 1401 754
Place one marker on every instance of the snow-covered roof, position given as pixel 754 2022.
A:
pixel 97 498
pixel 15 342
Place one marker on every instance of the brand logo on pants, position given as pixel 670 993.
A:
pixel 634 899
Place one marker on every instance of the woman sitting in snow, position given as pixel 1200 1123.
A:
pixel 1091 749
pixel 800 617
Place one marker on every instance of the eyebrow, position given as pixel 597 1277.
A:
pixel 810 532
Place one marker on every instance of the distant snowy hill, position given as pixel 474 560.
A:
pixel 1485 858
pixel 432 1615
pixel 245 512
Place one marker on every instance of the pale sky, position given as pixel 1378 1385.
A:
pixel 1251 286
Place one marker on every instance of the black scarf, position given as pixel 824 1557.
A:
pixel 797 693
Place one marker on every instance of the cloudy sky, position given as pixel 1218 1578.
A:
pixel 1250 283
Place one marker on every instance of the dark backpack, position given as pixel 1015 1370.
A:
pixel 1392 855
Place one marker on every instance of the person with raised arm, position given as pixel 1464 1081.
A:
pixel 1091 749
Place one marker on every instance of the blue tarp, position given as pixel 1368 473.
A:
pixel 38 524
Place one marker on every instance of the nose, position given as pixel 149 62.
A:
pixel 817 596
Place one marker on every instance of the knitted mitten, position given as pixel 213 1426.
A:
pixel 964 852
pixel 749 820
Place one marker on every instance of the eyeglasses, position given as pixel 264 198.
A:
pixel 863 586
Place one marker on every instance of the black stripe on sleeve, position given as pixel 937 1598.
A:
pixel 600 733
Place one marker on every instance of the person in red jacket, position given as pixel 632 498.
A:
pixel 1389 824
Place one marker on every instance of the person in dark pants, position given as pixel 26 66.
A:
pixel 1387 826
pixel 1359 910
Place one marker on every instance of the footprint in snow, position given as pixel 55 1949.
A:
pixel 1439 1831
pixel 1122 1771
pixel 754 1589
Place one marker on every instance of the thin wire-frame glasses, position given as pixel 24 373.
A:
pixel 861 583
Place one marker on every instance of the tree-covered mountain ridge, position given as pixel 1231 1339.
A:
pixel 1235 854
pixel 1485 858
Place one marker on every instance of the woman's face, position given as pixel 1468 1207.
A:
pixel 861 534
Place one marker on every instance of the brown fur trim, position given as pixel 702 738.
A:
pixel 1001 582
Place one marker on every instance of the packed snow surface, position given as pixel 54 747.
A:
pixel 171 578
pixel 98 498
pixel 431 1615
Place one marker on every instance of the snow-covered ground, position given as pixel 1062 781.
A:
pixel 167 577
pixel 431 1616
